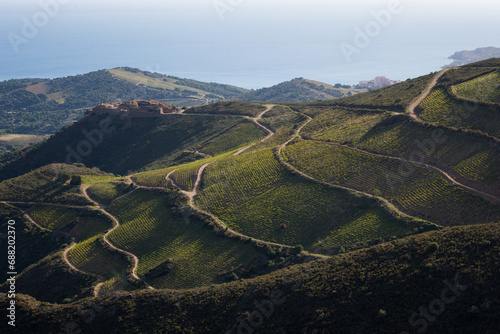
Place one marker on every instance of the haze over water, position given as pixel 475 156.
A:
pixel 248 43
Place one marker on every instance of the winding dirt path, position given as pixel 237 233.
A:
pixel 421 164
pixel 35 223
pixel 65 257
pixel 388 204
pixel 27 216
pixel 255 120
pixel 191 194
pixel 97 288
pixel 116 224
pixel 196 189
pixel 296 134
pixel 65 252
pixel 419 99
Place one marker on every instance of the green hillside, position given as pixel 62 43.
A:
pixel 298 90
pixel 43 106
pixel 197 256
pixel 133 144
pixel 350 215
pixel 423 193
pixel 372 290
pixel 442 108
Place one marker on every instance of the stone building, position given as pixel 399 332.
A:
pixel 135 108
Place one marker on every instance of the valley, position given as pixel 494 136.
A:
pixel 372 199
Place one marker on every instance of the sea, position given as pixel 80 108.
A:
pixel 236 50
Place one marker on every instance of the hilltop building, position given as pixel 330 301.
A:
pixel 378 82
pixel 135 108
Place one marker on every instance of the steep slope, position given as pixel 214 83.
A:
pixel 286 182
pixel 42 106
pixel 437 282
pixel 127 144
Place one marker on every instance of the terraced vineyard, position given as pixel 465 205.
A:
pixel 447 149
pixel 42 185
pixel 110 285
pixel 236 108
pixel 106 192
pixel 185 175
pixel 442 109
pixel 92 179
pixel 472 167
pixel 342 125
pixel 230 182
pixel 484 88
pixel 395 98
pixel 90 256
pixel 240 136
pixel 78 223
pixel 303 212
pixel 197 255
pixel 86 227
pixel 52 217
pixel 465 73
pixel 253 194
pixel 152 178
pixel 282 121
pixel 417 191
pixel 398 135
pixel 371 225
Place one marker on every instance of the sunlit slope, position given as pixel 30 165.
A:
pixel 468 157
pixel 254 195
pixel 419 191
pixel 395 279
pixel 194 254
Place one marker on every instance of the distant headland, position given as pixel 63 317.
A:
pixel 466 57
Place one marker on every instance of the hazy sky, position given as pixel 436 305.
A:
pixel 251 43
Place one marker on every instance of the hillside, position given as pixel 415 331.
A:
pixel 471 56
pixel 350 215
pixel 299 90
pixel 42 106
pixel 388 288
pixel 134 144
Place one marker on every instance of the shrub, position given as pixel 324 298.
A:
pixel 298 249
pixel 64 177
pixel 76 180
pixel 433 246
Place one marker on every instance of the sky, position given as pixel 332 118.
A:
pixel 249 43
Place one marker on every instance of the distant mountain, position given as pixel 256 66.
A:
pixel 366 214
pixel 468 57
pixel 43 106
pixel 300 90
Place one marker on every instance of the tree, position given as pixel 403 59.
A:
pixel 76 180
pixel 64 177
